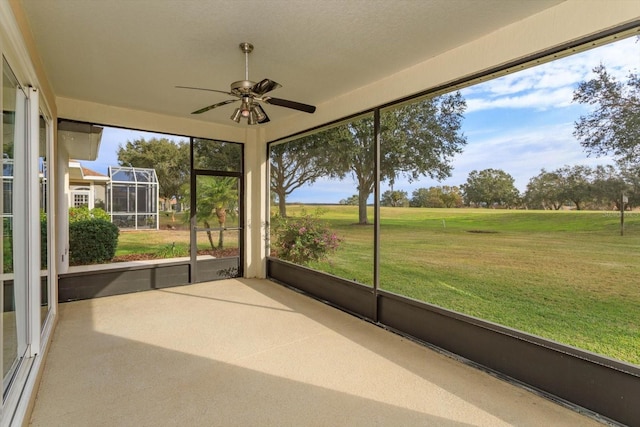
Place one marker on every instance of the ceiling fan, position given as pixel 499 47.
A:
pixel 249 94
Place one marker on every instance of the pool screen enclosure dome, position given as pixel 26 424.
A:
pixel 132 197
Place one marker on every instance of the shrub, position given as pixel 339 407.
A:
pixel 92 241
pixel 83 213
pixel 302 239
pixel 7 254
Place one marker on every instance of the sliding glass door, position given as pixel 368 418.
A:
pixel 14 313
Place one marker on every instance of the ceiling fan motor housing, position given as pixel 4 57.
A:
pixel 242 87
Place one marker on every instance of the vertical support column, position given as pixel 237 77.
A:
pixel 157 201
pixel 193 236
pixel 52 206
pixel 256 203
pixel 376 219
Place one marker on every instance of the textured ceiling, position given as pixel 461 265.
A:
pixel 132 53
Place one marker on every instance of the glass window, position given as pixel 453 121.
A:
pixel 80 199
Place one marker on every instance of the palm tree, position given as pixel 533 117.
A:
pixel 217 197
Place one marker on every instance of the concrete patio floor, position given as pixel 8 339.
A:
pixel 253 353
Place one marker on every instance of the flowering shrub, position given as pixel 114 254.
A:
pixel 83 213
pixel 302 239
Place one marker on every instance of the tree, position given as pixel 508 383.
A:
pixel 545 191
pixel 451 197
pixel 394 198
pixel 418 139
pixel 299 163
pixel 576 184
pixel 631 177
pixel 352 200
pixel 607 186
pixel 613 127
pixel 169 159
pixel 356 156
pixel 490 187
pixel 427 198
pixel 215 155
pixel 217 198
pixel 437 197
pixel 588 188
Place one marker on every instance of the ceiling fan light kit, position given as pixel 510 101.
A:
pixel 250 94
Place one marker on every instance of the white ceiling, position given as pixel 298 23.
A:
pixel 132 53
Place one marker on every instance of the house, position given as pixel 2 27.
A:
pixel 128 194
pixel 86 187
pixel 70 67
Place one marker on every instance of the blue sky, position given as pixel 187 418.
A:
pixel 519 123
pixel 112 138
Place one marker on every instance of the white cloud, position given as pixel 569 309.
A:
pixel 539 100
pixel 551 85
pixel 522 154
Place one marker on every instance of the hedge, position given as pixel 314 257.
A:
pixel 92 241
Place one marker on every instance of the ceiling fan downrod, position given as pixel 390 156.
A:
pixel 247 48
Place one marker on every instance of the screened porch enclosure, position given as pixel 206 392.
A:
pixel 132 197
pixel 363 329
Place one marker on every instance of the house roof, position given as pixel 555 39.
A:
pixel 86 172
pixel 77 172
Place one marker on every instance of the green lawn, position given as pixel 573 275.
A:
pixel 564 275
pixel 171 232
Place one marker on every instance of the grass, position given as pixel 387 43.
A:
pixel 170 232
pixel 155 241
pixel 564 275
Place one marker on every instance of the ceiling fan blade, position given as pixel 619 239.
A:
pixel 290 104
pixel 264 86
pixel 201 88
pixel 211 107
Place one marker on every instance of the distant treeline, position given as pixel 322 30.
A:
pixel 575 187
